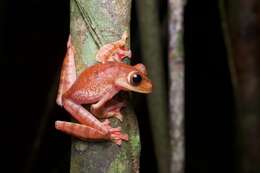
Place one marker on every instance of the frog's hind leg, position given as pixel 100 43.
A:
pixel 68 72
pixel 90 127
pixel 84 116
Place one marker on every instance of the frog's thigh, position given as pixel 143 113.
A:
pixel 68 72
pixel 83 116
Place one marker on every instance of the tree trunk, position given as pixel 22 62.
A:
pixel 93 24
pixel 176 92
pixel 241 21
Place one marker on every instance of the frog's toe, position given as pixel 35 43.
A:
pixel 118 137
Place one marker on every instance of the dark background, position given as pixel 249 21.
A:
pixel 32 46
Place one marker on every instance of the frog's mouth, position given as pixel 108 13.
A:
pixel 144 87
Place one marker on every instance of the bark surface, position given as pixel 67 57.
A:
pixel 176 81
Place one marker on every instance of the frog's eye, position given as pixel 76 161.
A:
pixel 134 78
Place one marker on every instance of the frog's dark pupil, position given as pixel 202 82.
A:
pixel 136 79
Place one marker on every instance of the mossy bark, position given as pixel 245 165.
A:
pixel 176 81
pixel 93 24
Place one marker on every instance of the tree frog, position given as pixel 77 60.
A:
pixel 96 86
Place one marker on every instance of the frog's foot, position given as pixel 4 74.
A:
pixel 118 55
pixel 115 51
pixel 121 54
pixel 115 133
pixel 116 136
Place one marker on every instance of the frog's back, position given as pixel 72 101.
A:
pixel 94 82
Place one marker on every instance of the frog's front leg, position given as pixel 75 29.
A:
pixel 112 109
pixel 115 51
pixel 95 108
pixel 120 54
pixel 99 109
pixel 90 127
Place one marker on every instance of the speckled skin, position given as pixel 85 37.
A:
pixel 97 85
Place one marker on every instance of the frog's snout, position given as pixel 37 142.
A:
pixel 146 87
pixel 150 88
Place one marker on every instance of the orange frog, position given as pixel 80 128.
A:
pixel 97 85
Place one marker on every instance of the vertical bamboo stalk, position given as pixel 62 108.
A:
pixel 94 23
pixel 241 21
pixel 151 47
pixel 176 92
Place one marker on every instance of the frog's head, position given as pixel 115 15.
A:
pixel 136 80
